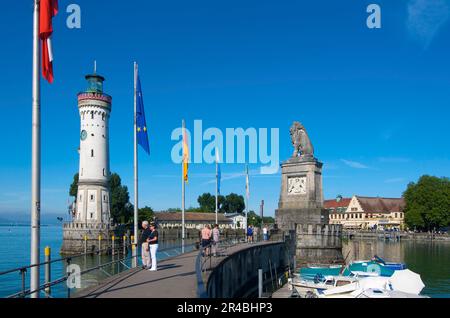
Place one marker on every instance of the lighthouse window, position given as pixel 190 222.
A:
pixel 103 116
pixel 104 172
pixel 92 152
pixel 92 197
pixel 92 135
pixel 92 115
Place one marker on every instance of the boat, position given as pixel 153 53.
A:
pixel 362 268
pixel 390 265
pixel 320 282
pixel 402 284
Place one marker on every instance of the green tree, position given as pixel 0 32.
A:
pixel 427 203
pixel 145 214
pixel 207 202
pixel 121 209
pixel 233 203
pixel 73 191
pixel 255 220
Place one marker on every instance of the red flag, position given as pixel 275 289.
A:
pixel 48 9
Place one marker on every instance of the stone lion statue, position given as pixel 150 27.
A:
pixel 300 140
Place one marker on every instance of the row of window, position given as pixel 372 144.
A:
pixel 104 172
pixel 92 115
pixel 360 216
pixel 92 198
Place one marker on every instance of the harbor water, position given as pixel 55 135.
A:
pixel 431 259
pixel 15 252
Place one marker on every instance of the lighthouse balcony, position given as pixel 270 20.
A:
pixel 94 96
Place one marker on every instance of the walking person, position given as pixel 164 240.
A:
pixel 153 243
pixel 265 233
pixel 206 239
pixel 249 234
pixel 145 250
pixel 215 239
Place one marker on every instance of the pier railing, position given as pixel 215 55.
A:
pixel 210 255
pixel 121 251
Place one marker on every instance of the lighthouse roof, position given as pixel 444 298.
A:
pixel 95 83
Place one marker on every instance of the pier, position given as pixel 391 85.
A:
pixel 192 275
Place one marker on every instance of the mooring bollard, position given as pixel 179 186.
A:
pixel 133 254
pixel 47 267
pixel 99 245
pixel 260 282
pixel 113 245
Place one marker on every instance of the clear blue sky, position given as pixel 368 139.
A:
pixel 375 102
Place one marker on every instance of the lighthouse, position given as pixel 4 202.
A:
pixel 93 195
pixel 91 217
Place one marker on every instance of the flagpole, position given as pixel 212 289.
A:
pixel 35 158
pixel 217 191
pixel 135 165
pixel 246 196
pixel 182 191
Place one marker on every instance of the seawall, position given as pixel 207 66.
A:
pixel 237 274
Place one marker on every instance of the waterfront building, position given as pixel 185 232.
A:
pixel 91 207
pixel 237 218
pixel 193 220
pixel 365 213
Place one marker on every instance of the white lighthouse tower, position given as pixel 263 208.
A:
pixel 93 193
pixel 91 209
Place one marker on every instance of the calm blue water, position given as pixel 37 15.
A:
pixel 15 252
pixel 430 259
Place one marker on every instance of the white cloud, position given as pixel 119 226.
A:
pixel 425 18
pixel 354 164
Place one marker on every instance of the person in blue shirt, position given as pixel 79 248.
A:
pixel 250 234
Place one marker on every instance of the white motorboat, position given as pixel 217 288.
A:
pixel 402 284
pixel 323 283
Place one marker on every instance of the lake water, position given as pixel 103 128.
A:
pixel 430 259
pixel 15 252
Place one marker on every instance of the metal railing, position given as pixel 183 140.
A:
pixel 169 252
pixel 206 255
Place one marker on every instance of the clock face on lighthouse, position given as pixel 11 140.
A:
pixel 297 185
pixel 83 135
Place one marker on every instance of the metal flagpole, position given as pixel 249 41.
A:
pixel 135 165
pixel 217 190
pixel 182 190
pixel 35 158
pixel 247 191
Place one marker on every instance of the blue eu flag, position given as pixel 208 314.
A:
pixel 141 125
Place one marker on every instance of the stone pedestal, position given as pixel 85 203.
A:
pixel 300 208
pixel 301 198
pixel 74 238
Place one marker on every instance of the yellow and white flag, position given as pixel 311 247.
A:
pixel 185 155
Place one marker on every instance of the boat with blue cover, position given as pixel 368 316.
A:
pixel 363 268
